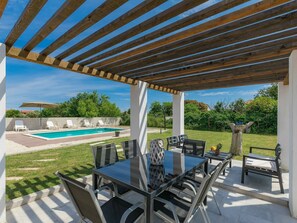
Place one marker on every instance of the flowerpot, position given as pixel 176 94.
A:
pixel 117 134
pixel 157 152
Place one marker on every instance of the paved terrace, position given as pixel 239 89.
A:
pixel 259 200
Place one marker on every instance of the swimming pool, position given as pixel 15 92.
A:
pixel 73 133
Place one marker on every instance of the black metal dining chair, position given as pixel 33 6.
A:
pixel 181 139
pixel 105 155
pixel 173 208
pixel 88 208
pixel 131 148
pixel 172 142
pixel 190 183
pixel 194 147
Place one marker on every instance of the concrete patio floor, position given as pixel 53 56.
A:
pixel 258 200
pixel 236 208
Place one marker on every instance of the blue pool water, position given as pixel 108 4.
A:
pixel 73 133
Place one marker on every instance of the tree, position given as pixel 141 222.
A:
pixel 125 117
pixel 269 92
pixel 13 113
pixel 220 107
pixel 238 106
pixel 157 109
pixel 263 111
pixel 108 109
pixel 200 105
pixel 87 108
pixel 84 105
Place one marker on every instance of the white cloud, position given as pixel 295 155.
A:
pixel 54 87
pixel 121 93
pixel 215 93
pixel 247 93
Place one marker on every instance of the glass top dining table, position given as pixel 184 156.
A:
pixel 139 175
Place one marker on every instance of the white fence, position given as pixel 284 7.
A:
pixel 34 123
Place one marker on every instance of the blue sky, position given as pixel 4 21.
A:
pixel 32 82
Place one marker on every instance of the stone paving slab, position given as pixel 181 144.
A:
pixel 236 208
pixel 261 187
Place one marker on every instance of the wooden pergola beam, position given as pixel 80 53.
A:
pixel 228 77
pixel 3 4
pixel 153 21
pixel 96 15
pixel 65 65
pixel 63 13
pixel 255 56
pixel 216 53
pixel 134 13
pixel 286 80
pixel 54 62
pixel 165 15
pixel 29 13
pixel 241 82
pixel 267 67
pixel 239 14
pixel 196 17
pixel 209 40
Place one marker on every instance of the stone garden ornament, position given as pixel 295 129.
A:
pixel 236 144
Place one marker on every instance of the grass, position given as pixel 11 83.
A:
pixel 77 161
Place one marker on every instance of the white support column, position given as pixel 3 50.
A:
pixel 2 131
pixel 178 114
pixel 138 114
pixel 283 123
pixel 293 133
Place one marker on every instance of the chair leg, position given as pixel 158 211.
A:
pixel 205 213
pixel 214 198
pixel 280 179
pixel 242 174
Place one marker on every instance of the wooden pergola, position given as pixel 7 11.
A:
pixel 247 45
pixel 220 44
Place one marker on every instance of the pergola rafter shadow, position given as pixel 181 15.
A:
pixel 206 49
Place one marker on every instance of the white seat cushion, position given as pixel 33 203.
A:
pixel 263 164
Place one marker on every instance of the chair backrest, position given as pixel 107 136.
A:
pixel 19 123
pixel 104 154
pixel 69 123
pixel 195 147
pixel 172 141
pixel 181 138
pixel 223 166
pixel 83 199
pixel 131 148
pixel 86 122
pixel 205 186
pixel 278 151
pixel 49 124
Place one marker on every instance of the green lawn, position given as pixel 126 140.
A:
pixel 77 161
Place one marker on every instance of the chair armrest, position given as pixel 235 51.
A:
pixel 261 148
pixel 170 205
pixel 191 186
pixel 129 211
pixel 258 158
